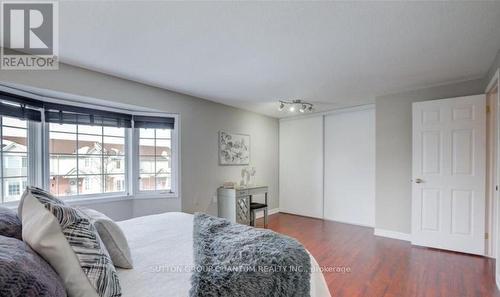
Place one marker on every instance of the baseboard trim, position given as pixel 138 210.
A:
pixel 260 214
pixel 348 223
pixel 497 278
pixel 392 234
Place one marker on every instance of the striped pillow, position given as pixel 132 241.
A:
pixel 68 240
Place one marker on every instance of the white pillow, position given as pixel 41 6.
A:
pixel 66 238
pixel 113 238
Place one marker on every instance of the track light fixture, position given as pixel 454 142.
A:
pixel 294 106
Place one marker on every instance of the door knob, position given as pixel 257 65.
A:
pixel 419 180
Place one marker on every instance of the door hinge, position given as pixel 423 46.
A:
pixel 486 236
pixel 488 109
pixel 496 188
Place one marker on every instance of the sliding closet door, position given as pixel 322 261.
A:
pixel 350 167
pixel 301 166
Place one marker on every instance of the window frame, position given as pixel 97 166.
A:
pixel 83 197
pixel 30 152
pixel 131 187
pixel 175 175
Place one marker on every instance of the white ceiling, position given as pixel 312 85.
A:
pixel 250 54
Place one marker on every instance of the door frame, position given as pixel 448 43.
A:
pixel 492 211
pixel 479 239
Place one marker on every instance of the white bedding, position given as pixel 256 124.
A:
pixel 162 251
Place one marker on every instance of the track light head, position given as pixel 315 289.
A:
pixel 294 106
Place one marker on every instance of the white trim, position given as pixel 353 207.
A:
pixel 94 200
pixel 490 227
pixel 349 223
pixel 392 234
pixel 323 166
pixel 491 211
pixel 260 214
pixel 493 80
pixel 80 201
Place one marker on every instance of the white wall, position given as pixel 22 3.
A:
pixel 200 122
pixel 301 166
pixel 350 167
pixel 394 150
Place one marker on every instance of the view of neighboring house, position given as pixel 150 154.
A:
pixel 80 172
pixel 83 164
pixel 15 167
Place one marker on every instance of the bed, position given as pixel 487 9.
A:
pixel 162 250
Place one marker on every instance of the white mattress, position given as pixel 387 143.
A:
pixel 162 251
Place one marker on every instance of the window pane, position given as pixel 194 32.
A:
pixel 163 133
pixel 114 146
pixel 62 128
pixel 147 182
pixel 15 165
pixel 163 182
pixel 146 133
pixel 112 131
pixel 155 142
pixel 14 139
pixel 13 122
pixel 162 165
pixel 62 143
pixel 89 165
pixel 114 183
pixel 90 129
pixel 163 147
pixel 89 144
pixel 90 156
pixel 62 165
pixel 91 184
pixel 146 147
pixel 147 164
pixel 63 185
pixel 13 188
pixel 14 158
pixel 114 164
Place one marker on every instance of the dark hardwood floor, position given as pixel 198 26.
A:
pixel 386 267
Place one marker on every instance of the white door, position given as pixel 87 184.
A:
pixel 449 152
pixel 301 166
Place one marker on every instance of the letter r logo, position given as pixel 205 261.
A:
pixel 28 27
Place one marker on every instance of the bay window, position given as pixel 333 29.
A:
pixel 13 157
pixel 155 160
pixel 13 153
pixel 85 159
pixel 84 152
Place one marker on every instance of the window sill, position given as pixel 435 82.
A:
pixel 98 200
pixel 93 200
pixel 155 196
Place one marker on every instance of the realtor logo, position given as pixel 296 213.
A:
pixel 29 35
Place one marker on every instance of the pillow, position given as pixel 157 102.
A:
pixel 113 238
pixel 66 238
pixel 24 274
pixel 10 224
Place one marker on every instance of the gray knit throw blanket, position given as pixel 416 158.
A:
pixel 233 260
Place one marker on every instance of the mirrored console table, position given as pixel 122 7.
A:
pixel 234 204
